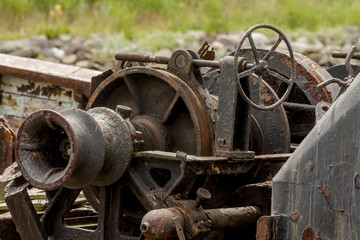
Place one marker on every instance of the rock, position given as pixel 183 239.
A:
pixel 198 35
pixel 217 45
pixel 65 37
pixel 56 43
pixel 300 47
pixel 69 59
pixel 83 64
pixel 303 40
pixel 352 30
pixel 53 53
pixel 40 41
pixel 315 56
pixel 326 39
pixel 180 43
pixel 229 40
pixel 350 41
pixel 260 39
pixel 346 48
pixel 95 41
pixel 24 53
pixel 83 55
pixel 11 46
pixel 219 48
pixel 164 52
pixel 194 45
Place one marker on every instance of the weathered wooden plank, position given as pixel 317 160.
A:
pixel 54 73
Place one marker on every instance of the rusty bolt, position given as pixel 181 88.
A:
pixel 124 111
pixel 200 224
pixel 222 142
pixel 208 223
pixel 181 155
pixel 138 135
pixel 178 196
pixel 202 195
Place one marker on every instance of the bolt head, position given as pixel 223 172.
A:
pixel 124 111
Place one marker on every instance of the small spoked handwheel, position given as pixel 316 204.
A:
pixel 261 68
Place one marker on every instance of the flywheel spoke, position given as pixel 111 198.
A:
pixel 171 106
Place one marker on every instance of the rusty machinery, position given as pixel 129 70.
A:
pixel 182 152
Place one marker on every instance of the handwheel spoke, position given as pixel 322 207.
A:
pixel 253 47
pixel 246 73
pixel 170 107
pixel 276 44
pixel 134 93
pixel 262 66
pixel 279 76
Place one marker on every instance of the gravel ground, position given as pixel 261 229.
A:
pixel 97 51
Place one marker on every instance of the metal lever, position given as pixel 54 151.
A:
pixel 338 54
pixel 350 77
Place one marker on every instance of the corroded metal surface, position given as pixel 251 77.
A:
pixel 28 85
pixel 319 181
pixel 7 142
pixel 158 157
pixel 73 148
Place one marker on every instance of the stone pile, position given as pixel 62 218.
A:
pixel 93 52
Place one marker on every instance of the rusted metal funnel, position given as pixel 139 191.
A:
pixel 73 148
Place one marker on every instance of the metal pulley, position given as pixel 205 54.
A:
pixel 73 148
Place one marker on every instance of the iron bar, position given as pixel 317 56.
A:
pixel 337 54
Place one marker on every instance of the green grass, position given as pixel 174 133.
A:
pixel 137 18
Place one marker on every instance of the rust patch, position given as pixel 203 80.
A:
pixel 10 101
pixel 307 69
pixel 308 234
pixel 26 87
pixel 48 91
pixel 7 141
pixel 325 191
pixel 51 90
pixel 294 217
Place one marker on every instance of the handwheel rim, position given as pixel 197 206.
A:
pixel 290 83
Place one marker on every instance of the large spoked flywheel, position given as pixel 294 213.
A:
pixel 172 114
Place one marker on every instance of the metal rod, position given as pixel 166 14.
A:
pixel 299 106
pixel 337 54
pixel 165 60
pixel 232 217
pixel 141 58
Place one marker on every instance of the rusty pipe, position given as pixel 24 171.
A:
pixel 165 60
pixel 168 223
pixel 337 54
pixel 222 218
pixel 161 224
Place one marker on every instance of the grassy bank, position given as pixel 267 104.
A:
pixel 134 18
